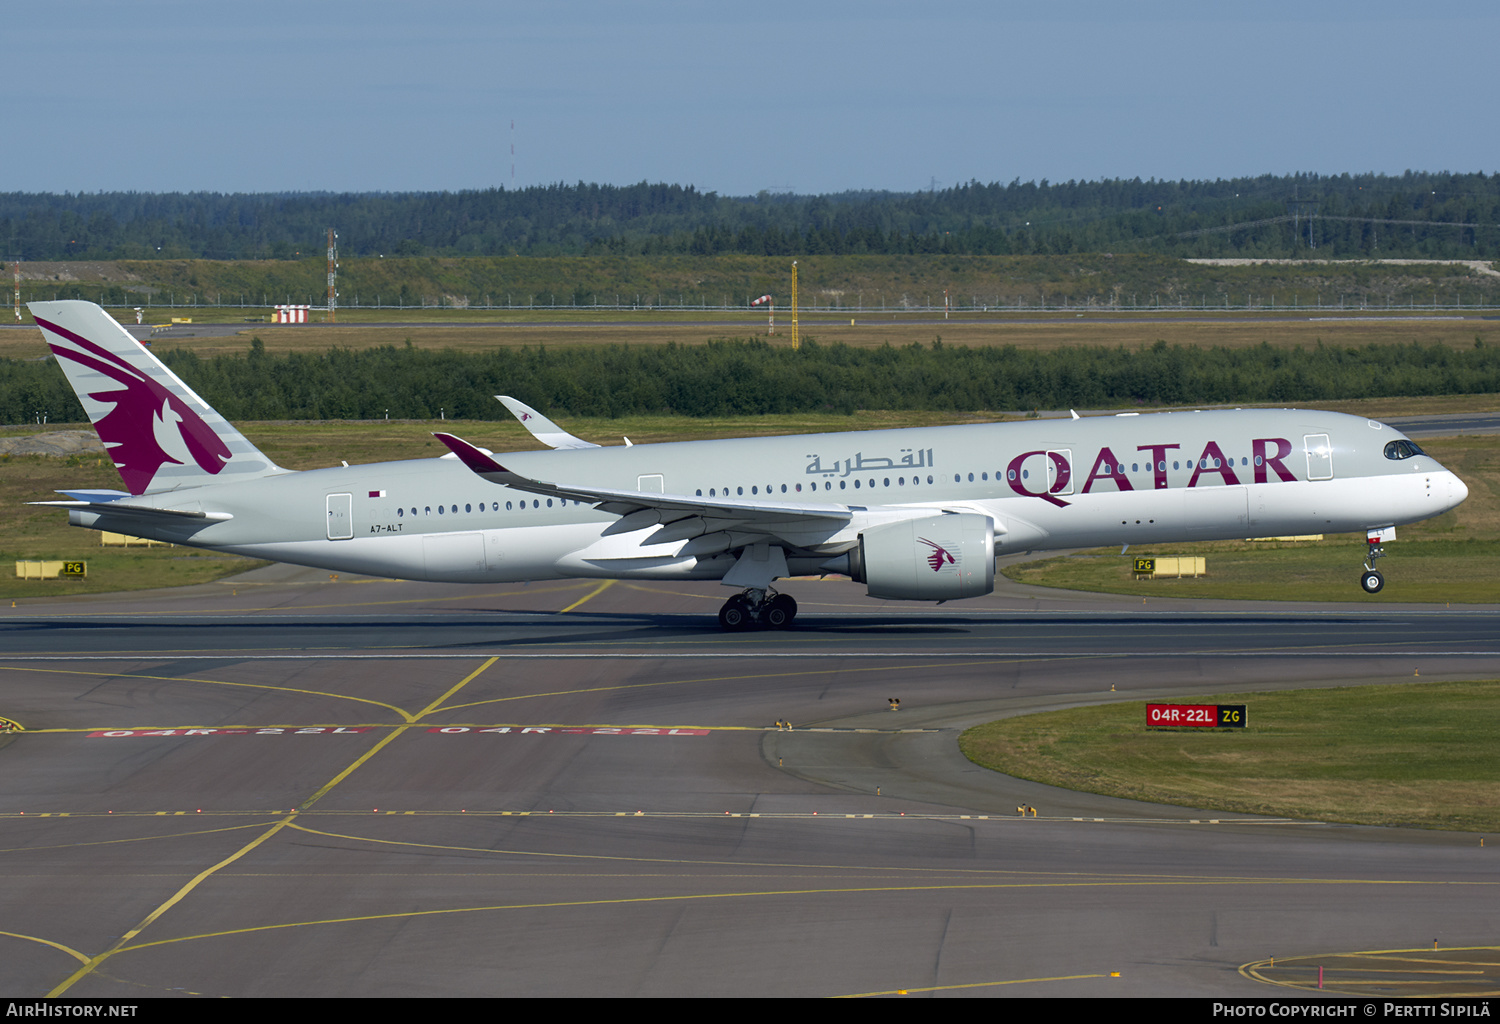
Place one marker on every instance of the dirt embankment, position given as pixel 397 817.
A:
pixel 59 443
pixel 92 271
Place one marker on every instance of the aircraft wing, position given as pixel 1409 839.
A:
pixel 541 428
pixel 718 513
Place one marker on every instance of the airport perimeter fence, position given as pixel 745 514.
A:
pixel 975 305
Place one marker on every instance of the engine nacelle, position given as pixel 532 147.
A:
pixel 940 558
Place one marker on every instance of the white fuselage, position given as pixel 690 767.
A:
pixel 1044 484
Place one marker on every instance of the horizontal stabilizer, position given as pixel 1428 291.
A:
pixel 119 508
pixel 96 495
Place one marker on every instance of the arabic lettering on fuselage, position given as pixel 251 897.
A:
pixel 910 458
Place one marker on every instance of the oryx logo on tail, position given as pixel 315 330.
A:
pixel 148 426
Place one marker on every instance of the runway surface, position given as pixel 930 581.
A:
pixel 290 784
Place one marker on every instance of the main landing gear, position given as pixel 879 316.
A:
pixel 758 608
pixel 1371 580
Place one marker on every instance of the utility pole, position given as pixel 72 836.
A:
pixel 796 341
pixel 18 288
pixel 333 268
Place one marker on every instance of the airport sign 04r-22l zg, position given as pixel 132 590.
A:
pixel 1200 716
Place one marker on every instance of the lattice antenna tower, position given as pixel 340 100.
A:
pixel 333 275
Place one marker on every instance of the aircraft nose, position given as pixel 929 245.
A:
pixel 1457 489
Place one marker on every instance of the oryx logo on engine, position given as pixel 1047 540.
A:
pixel 939 555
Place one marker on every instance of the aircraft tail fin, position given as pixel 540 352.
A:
pixel 159 434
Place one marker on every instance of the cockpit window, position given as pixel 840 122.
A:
pixel 1402 450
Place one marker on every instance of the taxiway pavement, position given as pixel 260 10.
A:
pixel 290 784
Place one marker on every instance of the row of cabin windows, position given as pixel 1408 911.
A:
pixel 1190 464
pixel 493 506
pixel 901 481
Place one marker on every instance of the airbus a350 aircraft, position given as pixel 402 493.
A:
pixel 917 514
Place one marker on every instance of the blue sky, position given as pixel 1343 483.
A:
pixel 329 95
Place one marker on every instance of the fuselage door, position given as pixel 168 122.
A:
pixel 1060 471
pixel 653 482
pixel 1319 456
pixel 340 516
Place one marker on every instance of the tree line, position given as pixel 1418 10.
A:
pixel 1415 214
pixel 737 377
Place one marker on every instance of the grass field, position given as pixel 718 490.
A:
pixel 440 285
pixel 1422 755
pixel 44 533
pixel 655 328
pixel 1451 558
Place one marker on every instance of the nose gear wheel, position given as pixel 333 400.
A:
pixel 1371 580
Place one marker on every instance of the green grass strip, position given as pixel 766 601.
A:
pixel 1424 755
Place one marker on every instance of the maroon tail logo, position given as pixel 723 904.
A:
pixel 939 555
pixel 149 427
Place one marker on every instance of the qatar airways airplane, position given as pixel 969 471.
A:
pixel 916 514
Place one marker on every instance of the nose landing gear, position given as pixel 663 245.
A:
pixel 1371 580
pixel 757 608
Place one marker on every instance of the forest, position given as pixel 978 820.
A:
pixel 1416 214
pixel 751 377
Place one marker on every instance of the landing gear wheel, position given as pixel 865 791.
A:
pixel 779 612
pixel 735 615
pixel 1372 581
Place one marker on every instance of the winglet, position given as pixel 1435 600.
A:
pixel 541 428
pixel 469 455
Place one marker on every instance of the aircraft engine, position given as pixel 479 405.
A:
pixel 940 558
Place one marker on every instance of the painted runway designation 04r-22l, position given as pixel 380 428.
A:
pixel 445 730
